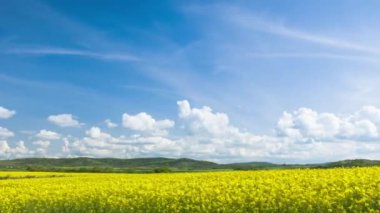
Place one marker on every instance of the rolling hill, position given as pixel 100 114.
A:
pixel 84 164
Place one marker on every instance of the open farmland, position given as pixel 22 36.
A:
pixel 299 190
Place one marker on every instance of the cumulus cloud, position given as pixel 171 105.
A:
pixel 97 143
pixel 48 135
pixel 66 147
pixel 64 120
pixel 306 123
pixel 146 123
pixel 4 147
pixel 303 135
pixel 96 132
pixel 123 147
pixel 110 124
pixel 42 144
pixel 210 134
pixel 370 113
pixel 20 150
pixel 6 113
pixel 42 149
pixel 94 143
pixel 204 120
pixel 5 133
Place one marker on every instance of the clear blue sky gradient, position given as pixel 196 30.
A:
pixel 252 60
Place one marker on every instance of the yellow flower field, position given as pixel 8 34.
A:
pixel 309 190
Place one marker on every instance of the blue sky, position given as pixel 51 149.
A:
pixel 282 81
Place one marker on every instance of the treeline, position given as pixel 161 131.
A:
pixel 158 165
pixel 97 169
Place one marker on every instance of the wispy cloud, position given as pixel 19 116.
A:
pixel 49 87
pixel 73 52
pixel 155 90
pixel 314 56
pixel 88 40
pixel 252 22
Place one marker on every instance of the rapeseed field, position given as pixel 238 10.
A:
pixel 299 190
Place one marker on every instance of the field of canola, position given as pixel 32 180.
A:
pixel 330 190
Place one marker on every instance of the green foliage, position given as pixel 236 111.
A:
pixel 149 165
pixel 162 170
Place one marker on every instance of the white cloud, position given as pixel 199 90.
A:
pixel 303 135
pixel 18 151
pixel 64 120
pixel 42 144
pixel 307 123
pixel 96 132
pixel 48 135
pixel 5 133
pixel 4 147
pixel 252 22
pixel 97 143
pixel 66 146
pixel 42 51
pixel 110 124
pixel 211 135
pixel 122 147
pixel 6 113
pixel 146 123
pixel 370 113
pixel 204 120
pixel 280 55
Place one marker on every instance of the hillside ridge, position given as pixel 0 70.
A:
pixel 163 164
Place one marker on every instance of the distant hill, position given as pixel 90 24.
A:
pixel 249 165
pixel 114 164
pixel 352 163
pixel 84 164
pixel 111 162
